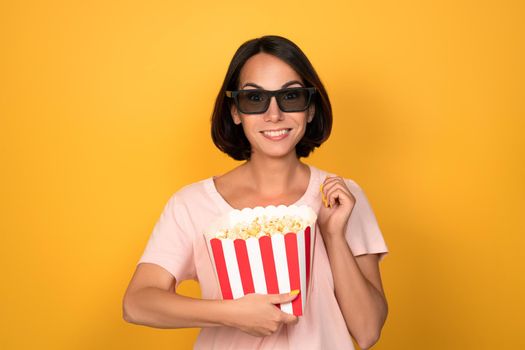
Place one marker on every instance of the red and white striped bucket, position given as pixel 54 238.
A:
pixel 267 265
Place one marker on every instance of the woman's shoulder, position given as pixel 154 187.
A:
pixel 205 189
pixel 350 182
pixel 191 192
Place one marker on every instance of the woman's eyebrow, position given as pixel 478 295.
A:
pixel 291 82
pixel 251 84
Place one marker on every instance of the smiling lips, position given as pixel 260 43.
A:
pixel 276 135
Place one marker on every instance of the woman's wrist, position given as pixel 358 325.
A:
pixel 196 312
pixel 333 238
pixel 225 313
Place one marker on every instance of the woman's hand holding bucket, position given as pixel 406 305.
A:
pixel 257 315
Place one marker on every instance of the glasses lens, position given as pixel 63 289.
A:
pixel 255 101
pixel 293 100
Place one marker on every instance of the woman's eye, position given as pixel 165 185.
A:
pixel 255 97
pixel 290 95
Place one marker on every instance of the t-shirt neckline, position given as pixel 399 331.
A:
pixel 219 199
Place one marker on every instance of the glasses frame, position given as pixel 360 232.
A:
pixel 271 93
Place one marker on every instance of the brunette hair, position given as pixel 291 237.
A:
pixel 230 138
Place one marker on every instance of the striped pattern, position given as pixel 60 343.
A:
pixel 268 265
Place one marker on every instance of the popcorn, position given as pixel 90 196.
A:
pixel 264 250
pixel 263 226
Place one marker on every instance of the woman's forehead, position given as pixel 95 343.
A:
pixel 267 71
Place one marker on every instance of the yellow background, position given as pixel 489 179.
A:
pixel 105 109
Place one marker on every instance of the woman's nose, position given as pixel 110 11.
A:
pixel 273 113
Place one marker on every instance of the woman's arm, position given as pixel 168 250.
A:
pixel 149 301
pixel 358 290
pixel 357 280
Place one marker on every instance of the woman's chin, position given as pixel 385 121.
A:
pixel 277 153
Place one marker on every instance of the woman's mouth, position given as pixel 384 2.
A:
pixel 276 135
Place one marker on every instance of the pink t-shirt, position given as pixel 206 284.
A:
pixel 177 244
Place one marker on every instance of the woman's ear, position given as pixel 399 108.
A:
pixel 311 112
pixel 235 114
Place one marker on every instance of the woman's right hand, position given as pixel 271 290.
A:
pixel 256 314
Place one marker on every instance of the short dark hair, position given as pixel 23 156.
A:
pixel 230 138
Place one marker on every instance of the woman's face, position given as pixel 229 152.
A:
pixel 273 133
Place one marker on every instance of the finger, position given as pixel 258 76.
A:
pixel 338 195
pixel 323 193
pixel 284 297
pixel 331 178
pixel 327 184
pixel 336 186
pixel 328 180
pixel 334 182
pixel 290 319
pixel 330 187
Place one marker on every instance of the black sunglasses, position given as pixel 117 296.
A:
pixel 256 101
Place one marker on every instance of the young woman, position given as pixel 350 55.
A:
pixel 271 111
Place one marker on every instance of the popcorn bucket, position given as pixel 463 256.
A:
pixel 272 256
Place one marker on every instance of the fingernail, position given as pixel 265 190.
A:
pixel 294 292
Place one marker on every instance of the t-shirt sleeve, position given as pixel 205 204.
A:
pixel 362 231
pixel 170 244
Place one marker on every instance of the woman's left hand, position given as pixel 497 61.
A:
pixel 338 203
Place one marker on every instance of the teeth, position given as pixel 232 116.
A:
pixel 276 133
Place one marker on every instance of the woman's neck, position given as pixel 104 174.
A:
pixel 270 176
